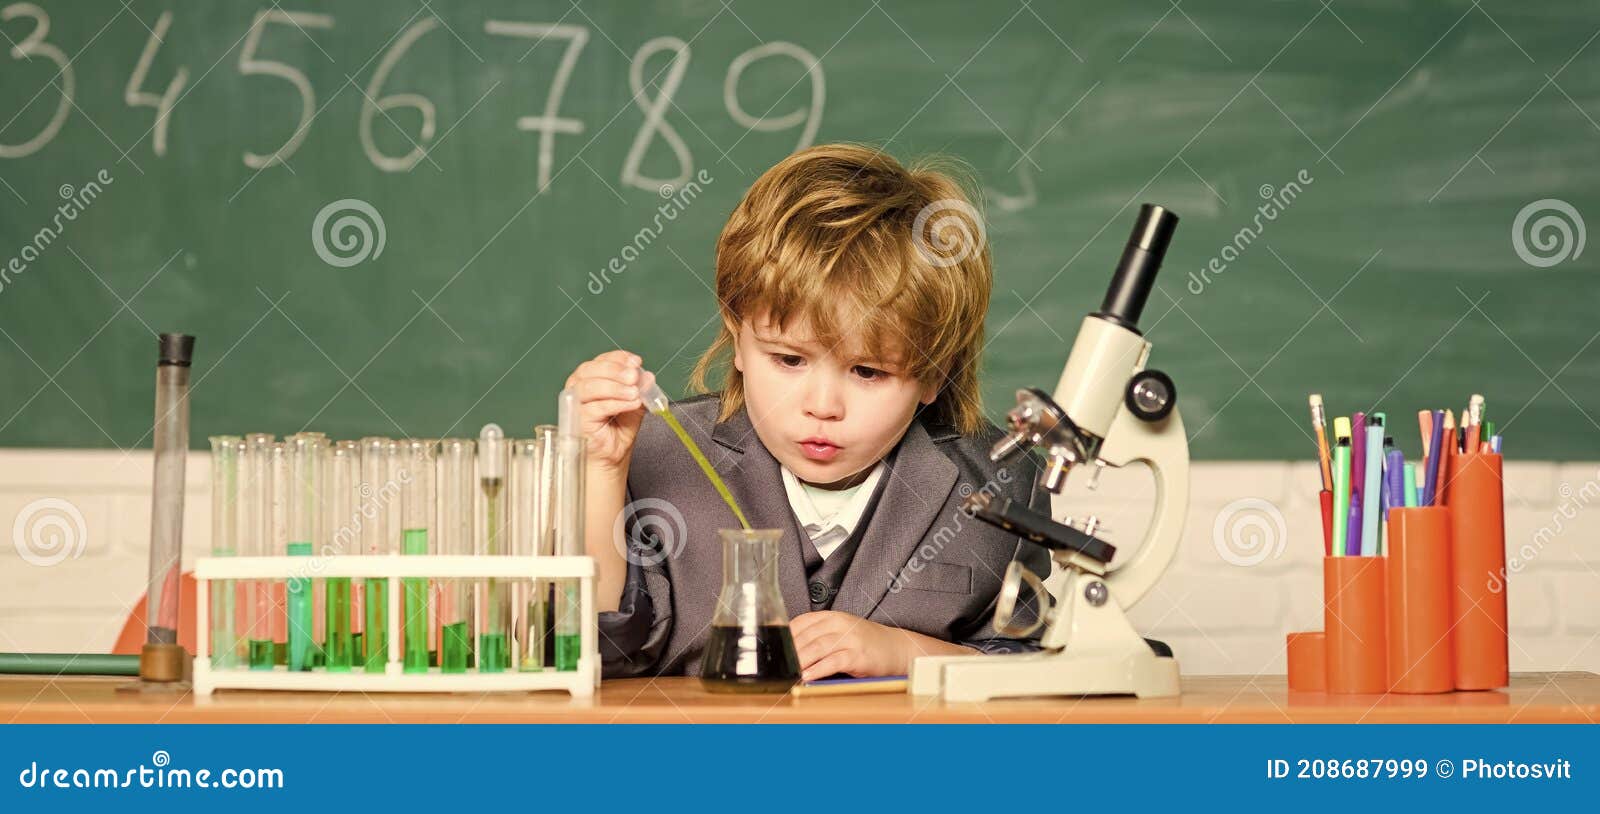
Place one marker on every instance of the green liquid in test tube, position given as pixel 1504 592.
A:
pixel 305 509
pixel 494 595
pixel 263 457
pixel 454 532
pixel 416 499
pixel 570 445
pixel 344 504
pixel 378 486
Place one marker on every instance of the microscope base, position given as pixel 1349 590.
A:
pixel 980 678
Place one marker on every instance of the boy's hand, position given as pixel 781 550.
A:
pixel 831 642
pixel 609 406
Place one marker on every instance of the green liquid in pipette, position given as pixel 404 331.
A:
pixel 454 648
pixel 377 624
pixel 492 653
pixel 339 647
pixel 416 606
pixel 261 657
pixel 301 615
pixel 705 465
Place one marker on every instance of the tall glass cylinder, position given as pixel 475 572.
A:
pixel 171 446
pixel 255 540
pixel 378 491
pixel 569 542
pixel 343 531
pixel 306 452
pixel 453 599
pixel 494 595
pixel 225 455
pixel 417 510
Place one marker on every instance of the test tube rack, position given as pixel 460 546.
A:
pixel 580 682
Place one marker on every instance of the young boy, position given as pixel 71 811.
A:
pixel 852 292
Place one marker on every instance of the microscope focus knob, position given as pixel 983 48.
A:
pixel 1151 395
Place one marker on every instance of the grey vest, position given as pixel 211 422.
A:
pixel 824 576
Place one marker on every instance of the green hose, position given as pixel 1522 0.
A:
pixel 72 664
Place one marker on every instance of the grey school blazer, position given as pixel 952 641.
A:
pixel 923 564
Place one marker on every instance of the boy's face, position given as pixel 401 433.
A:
pixel 827 414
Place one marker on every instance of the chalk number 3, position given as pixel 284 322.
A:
pixel 31 46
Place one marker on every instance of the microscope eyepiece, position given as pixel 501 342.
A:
pixel 1136 271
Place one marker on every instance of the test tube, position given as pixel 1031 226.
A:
pixel 569 527
pixel 256 541
pixel 338 642
pixel 282 492
pixel 379 491
pixel 305 507
pixel 417 509
pixel 224 543
pixel 453 597
pixel 522 481
pixel 494 598
pixel 163 659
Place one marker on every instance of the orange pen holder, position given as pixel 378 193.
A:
pixel 1476 502
pixel 1429 617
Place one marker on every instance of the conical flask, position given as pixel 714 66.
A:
pixel 750 648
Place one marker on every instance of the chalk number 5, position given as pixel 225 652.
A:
pixel 249 65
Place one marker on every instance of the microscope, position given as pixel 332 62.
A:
pixel 1108 409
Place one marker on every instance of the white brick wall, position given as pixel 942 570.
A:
pixel 1220 617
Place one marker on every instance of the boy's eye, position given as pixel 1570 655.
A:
pixel 787 359
pixel 869 373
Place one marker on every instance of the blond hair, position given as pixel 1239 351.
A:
pixel 901 248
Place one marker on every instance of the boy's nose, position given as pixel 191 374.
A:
pixel 821 400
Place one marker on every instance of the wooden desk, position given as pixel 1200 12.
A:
pixel 1532 698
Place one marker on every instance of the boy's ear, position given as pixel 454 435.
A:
pixel 733 329
pixel 930 392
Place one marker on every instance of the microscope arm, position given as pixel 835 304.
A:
pixel 1163 446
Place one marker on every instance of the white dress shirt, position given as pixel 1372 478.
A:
pixel 829 516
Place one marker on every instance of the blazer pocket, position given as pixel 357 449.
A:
pixel 944 577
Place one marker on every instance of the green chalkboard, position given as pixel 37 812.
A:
pixel 1349 177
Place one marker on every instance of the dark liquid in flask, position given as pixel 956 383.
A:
pixel 743 660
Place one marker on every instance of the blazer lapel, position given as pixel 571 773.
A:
pixel 920 478
pixel 753 477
